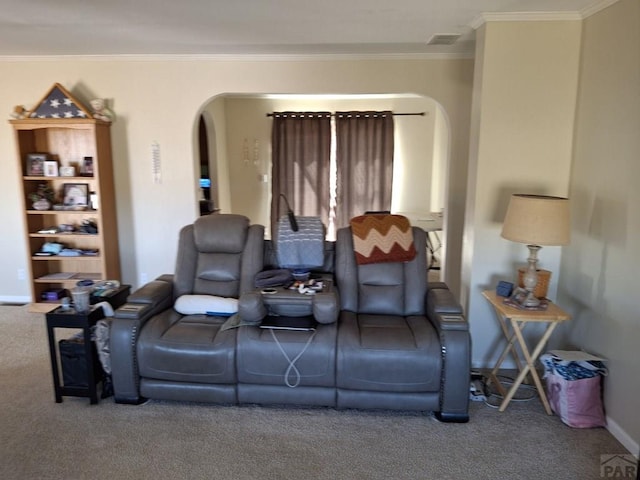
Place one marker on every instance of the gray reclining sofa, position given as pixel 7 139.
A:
pixel 385 339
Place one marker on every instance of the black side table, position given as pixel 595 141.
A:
pixel 69 318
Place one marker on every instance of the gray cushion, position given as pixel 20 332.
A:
pixel 227 272
pixel 397 288
pixel 220 233
pixel 388 353
pixel 188 348
pixel 260 360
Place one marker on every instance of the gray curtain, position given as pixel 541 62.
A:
pixel 364 155
pixel 301 156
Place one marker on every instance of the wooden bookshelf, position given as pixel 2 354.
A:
pixel 68 141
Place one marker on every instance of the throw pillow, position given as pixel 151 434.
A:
pixel 206 305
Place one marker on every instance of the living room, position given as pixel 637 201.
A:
pixel 545 106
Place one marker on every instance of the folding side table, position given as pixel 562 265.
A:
pixel 512 321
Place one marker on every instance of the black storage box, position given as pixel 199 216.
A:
pixel 74 364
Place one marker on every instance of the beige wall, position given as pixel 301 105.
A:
pixel 160 99
pixel 556 111
pixel 522 129
pixel 600 268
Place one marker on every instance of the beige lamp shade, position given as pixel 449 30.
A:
pixel 537 220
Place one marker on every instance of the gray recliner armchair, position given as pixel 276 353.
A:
pixel 157 352
pixel 401 345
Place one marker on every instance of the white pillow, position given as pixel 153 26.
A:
pixel 206 305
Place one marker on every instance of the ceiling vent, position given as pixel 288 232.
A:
pixel 443 39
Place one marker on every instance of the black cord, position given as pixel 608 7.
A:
pixel 292 218
pixel 506 380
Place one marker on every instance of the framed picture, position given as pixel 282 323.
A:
pixel 86 169
pixel 66 171
pixel 50 168
pixel 75 194
pixel 35 164
pixel 518 296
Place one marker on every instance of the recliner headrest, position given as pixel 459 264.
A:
pixel 221 233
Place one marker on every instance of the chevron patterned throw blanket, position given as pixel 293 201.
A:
pixel 382 238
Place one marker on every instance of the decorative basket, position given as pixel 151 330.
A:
pixel 544 277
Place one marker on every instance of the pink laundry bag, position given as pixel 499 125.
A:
pixel 574 390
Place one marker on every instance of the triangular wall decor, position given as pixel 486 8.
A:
pixel 59 103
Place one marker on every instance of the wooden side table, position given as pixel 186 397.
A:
pixel 512 322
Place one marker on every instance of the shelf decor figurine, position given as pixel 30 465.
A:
pixel 100 110
pixel 42 197
pixel 19 112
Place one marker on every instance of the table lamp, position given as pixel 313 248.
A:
pixel 536 220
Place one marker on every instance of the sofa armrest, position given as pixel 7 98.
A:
pixel 128 320
pixel 157 293
pixel 326 306
pixel 444 310
pixel 251 308
pixel 446 314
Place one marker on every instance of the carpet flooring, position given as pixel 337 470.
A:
pixel 40 439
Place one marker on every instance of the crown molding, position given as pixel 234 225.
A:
pixel 236 57
pixel 524 17
pixel 596 7
pixel 540 16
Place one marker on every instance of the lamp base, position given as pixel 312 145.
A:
pixel 530 301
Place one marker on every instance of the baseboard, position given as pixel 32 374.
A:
pixel 623 437
pixel 15 299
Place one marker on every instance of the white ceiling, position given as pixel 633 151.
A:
pixel 275 27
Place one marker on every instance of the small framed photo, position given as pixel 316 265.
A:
pixel 75 194
pixel 86 169
pixel 35 164
pixel 519 295
pixel 67 171
pixel 50 168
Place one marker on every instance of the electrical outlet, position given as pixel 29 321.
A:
pixel 21 274
pixel 144 278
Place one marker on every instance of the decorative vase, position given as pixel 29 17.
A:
pixel 542 287
pixel 42 204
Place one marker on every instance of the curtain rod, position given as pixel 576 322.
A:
pixel 421 114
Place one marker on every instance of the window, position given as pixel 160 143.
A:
pixel 332 166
